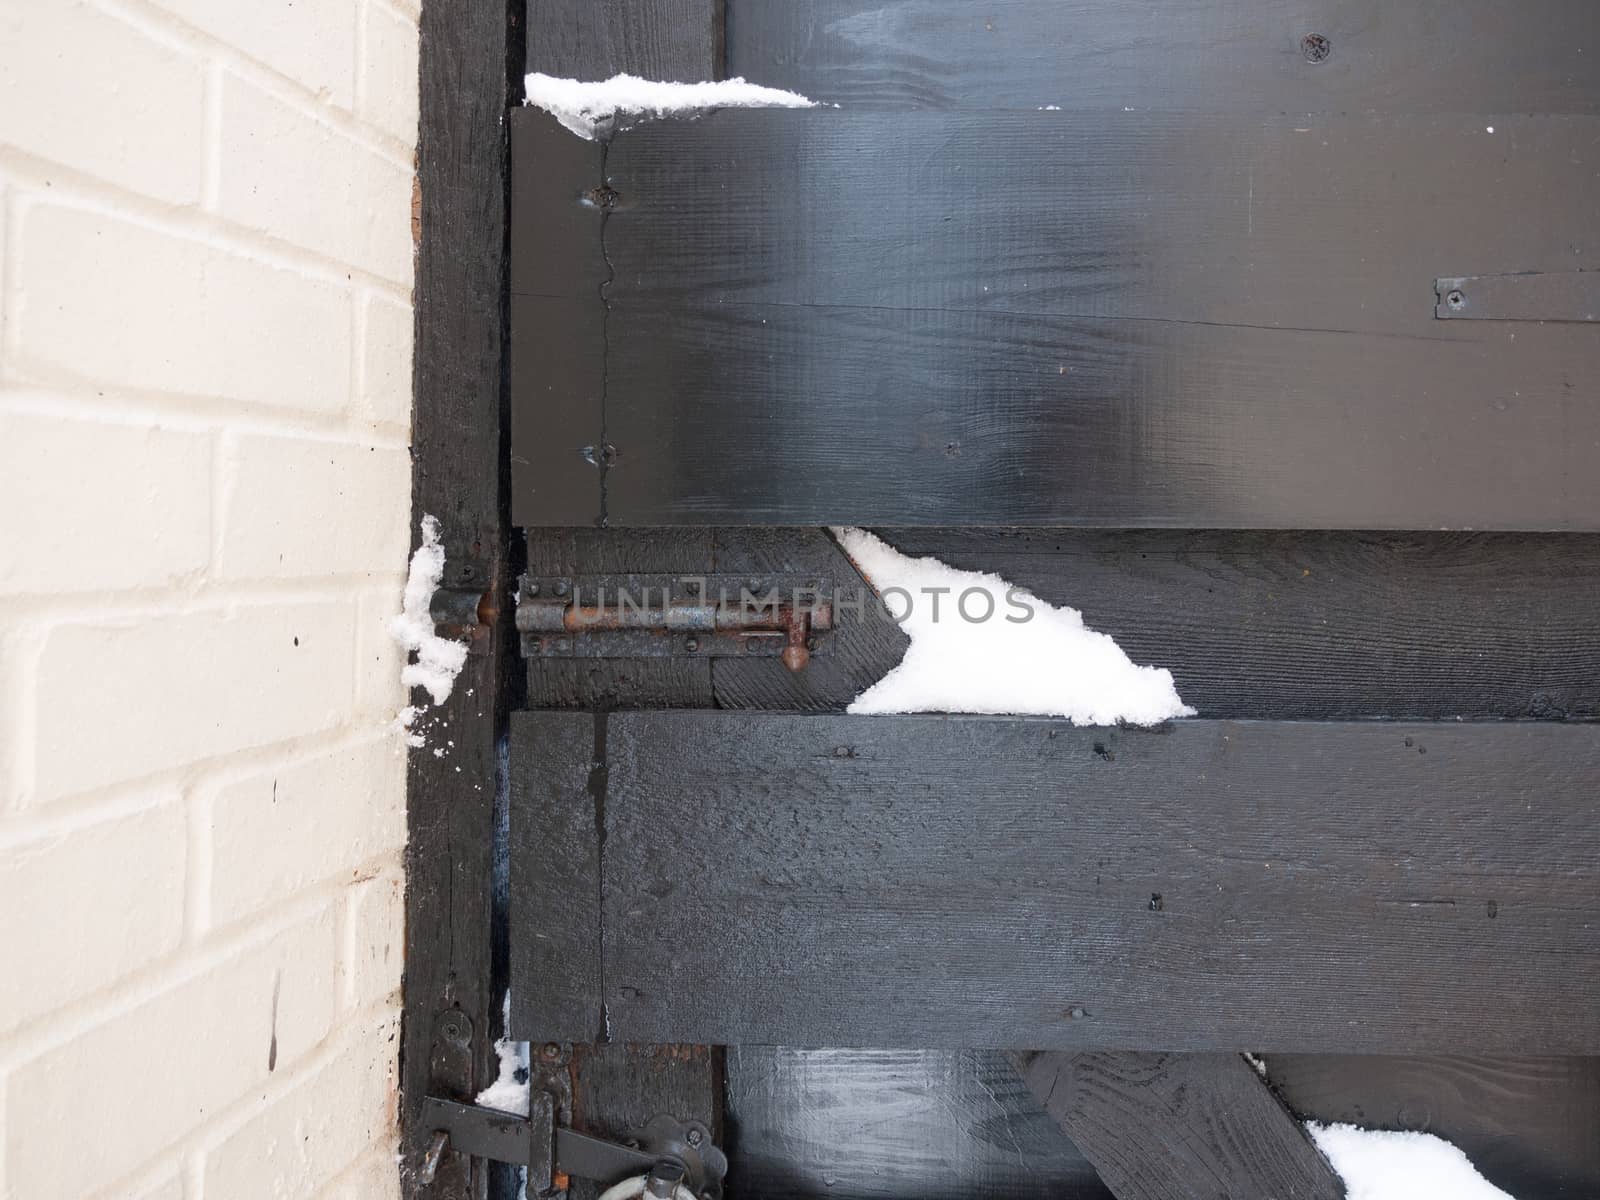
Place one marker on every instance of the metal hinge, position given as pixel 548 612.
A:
pixel 671 1154
pixel 675 616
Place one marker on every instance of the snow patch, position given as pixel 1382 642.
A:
pixel 590 107
pixel 1380 1165
pixel 980 645
pixel 509 1091
pixel 1259 1063
pixel 437 660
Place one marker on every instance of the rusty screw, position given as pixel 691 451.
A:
pixel 1316 48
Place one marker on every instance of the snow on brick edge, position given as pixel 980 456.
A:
pixel 1027 657
pixel 590 107
pixel 436 661
pixel 1383 1165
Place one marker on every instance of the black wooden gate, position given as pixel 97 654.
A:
pixel 1266 336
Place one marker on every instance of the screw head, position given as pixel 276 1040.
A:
pixel 531 587
pixel 694 1137
pixel 1456 299
pixel 692 645
pixel 560 587
pixel 1316 48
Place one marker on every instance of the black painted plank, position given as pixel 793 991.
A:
pixel 889 1124
pixel 949 882
pixel 1189 321
pixel 1316 625
pixel 1528 1124
pixel 555 854
pixel 1179 1126
pixel 1224 55
pixel 615 1088
pixel 459 389
pixel 1332 223
pixel 657 39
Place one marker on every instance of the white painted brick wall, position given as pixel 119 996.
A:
pixel 205 376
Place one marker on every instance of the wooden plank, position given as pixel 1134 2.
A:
pixel 556 845
pixel 1324 626
pixel 456 447
pixel 657 39
pixel 886 1124
pixel 1214 885
pixel 1146 320
pixel 615 1088
pixel 1527 1124
pixel 1225 55
pixel 1179 1126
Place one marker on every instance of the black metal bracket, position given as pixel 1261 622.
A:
pixel 1527 296
pixel 676 616
pixel 669 1150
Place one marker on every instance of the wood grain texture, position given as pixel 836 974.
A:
pixel 1528 1124
pixel 616 1088
pixel 555 851
pixel 657 39
pixel 951 882
pixel 1315 625
pixel 1179 1126
pixel 1145 320
pixel 1224 55
pixel 459 388
pixel 887 1124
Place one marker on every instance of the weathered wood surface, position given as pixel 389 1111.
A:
pixel 596 39
pixel 615 1087
pixel 1528 1124
pixel 460 393
pixel 1179 1126
pixel 950 882
pixel 1036 318
pixel 958 1124
pixel 1245 56
pixel 889 1124
pixel 1326 626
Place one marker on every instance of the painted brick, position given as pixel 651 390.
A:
pixel 389 91
pixel 379 658
pixel 386 359
pixel 152 1073
pixel 317 1130
pixel 313 44
pixel 280 493
pixel 79 87
pixel 146 522
pixel 375 928
pixel 293 177
pixel 375 1177
pixel 102 299
pixel 120 699
pixel 85 908
pixel 345 807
